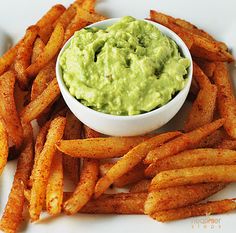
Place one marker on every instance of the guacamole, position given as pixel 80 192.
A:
pixel 128 68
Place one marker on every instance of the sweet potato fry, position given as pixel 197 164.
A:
pixel 51 49
pixel 8 58
pixel 141 186
pixel 180 196
pixel 3 145
pixel 46 22
pixel 207 67
pixel 225 98
pixel 54 192
pixel 89 5
pixel 90 133
pixel 195 158
pixel 209 208
pixel 37 49
pixel 84 189
pixel 42 168
pixel 130 160
pixel 12 216
pixel 36 107
pixel 8 108
pixel 133 176
pixel 120 203
pixel 71 165
pixel 194 175
pixel 90 17
pixel 99 147
pixel 183 142
pixel 23 57
pixel 42 80
pixel 227 144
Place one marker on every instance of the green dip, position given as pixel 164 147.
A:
pixel 126 69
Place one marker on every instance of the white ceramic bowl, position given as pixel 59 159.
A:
pixel 127 125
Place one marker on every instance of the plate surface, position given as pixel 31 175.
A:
pixel 217 17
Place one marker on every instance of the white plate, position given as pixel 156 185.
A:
pixel 218 18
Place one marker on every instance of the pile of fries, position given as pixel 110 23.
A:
pixel 166 175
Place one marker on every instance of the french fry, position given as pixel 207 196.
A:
pixel 8 108
pixel 213 139
pixel 72 131
pixel 88 5
pixel 194 88
pixel 21 97
pixel 194 175
pixel 23 57
pixel 90 17
pixel 84 189
pixel 227 144
pixel 180 196
pixel 207 67
pixel 183 142
pixel 36 107
pixel 54 192
pixel 218 53
pixel 133 176
pixel 51 49
pixel 90 133
pixel 38 147
pixel 42 168
pixel 42 80
pixel 209 208
pixel 12 216
pixel 195 158
pixel 99 148
pixel 7 59
pixel 225 98
pixel 3 145
pixel 46 22
pixel 130 160
pixel 120 203
pixel 141 186
pixel 37 49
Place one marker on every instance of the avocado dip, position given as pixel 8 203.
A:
pixel 128 68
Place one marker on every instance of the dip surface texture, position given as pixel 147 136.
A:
pixel 128 68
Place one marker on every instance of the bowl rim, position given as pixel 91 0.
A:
pixel 180 43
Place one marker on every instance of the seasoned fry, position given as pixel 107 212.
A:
pixel 183 142
pixel 42 80
pixel 51 49
pixel 12 216
pixel 90 17
pixel 227 144
pixel 120 203
pixel 217 51
pixel 54 193
pixel 39 143
pixel 90 133
pixel 180 196
pixel 195 158
pixel 42 168
pixel 46 22
pixel 225 98
pixel 207 67
pixel 3 145
pixel 37 106
pixel 89 5
pixel 213 139
pixel 99 147
pixel 72 131
pixel 209 208
pixel 37 49
pixel 141 186
pixel 133 176
pixel 84 189
pixel 8 108
pixel 194 175
pixel 8 58
pixel 130 160
pixel 23 57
